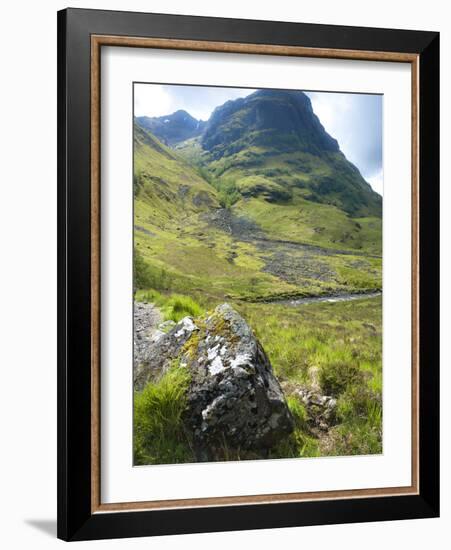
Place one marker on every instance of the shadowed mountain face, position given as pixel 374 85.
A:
pixel 283 120
pixel 172 129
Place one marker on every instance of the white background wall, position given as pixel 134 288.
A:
pixel 28 272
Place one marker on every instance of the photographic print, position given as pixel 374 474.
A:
pixel 239 347
pixel 257 274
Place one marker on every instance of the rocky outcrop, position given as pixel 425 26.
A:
pixel 234 397
pixel 161 350
pixel 174 128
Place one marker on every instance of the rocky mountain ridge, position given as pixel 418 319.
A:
pixel 174 128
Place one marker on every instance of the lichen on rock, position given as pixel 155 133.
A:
pixel 233 399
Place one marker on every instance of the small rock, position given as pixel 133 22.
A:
pixel 321 409
pixel 370 326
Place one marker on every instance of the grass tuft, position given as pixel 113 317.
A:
pixel 179 306
pixel 159 433
pixel 174 306
pixel 335 378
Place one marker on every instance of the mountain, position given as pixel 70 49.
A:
pixel 282 120
pixel 274 146
pixel 174 128
pixel 257 203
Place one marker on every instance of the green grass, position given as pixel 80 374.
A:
pixel 324 178
pixel 299 444
pixel 317 224
pixel 228 193
pixel 185 254
pixel 166 184
pixel 360 429
pixel 159 434
pixel 251 186
pixel 179 306
pixel 342 341
pixel 200 257
pixel 173 306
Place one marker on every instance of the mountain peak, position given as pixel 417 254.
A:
pixel 181 114
pixel 174 128
pixel 281 119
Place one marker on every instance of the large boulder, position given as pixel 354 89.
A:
pixel 234 397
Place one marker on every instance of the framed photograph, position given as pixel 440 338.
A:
pixel 248 274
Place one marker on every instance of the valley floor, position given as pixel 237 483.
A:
pixel 317 350
pixel 224 253
pixel 282 282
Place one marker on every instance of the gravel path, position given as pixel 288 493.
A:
pixel 146 318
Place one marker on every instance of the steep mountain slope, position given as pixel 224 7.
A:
pixel 174 128
pixel 165 184
pixel 173 238
pixel 282 120
pixel 273 146
pixel 273 163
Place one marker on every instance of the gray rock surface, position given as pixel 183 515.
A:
pixel 321 409
pixel 234 397
pixel 146 318
pixel 158 354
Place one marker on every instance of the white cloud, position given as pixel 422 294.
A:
pixel 377 182
pixel 152 100
pixel 334 110
pixel 355 121
pixel 199 101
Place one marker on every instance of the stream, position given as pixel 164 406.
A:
pixel 331 298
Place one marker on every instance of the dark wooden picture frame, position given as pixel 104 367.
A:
pixel 81 34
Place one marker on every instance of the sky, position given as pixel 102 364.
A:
pixel 354 120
